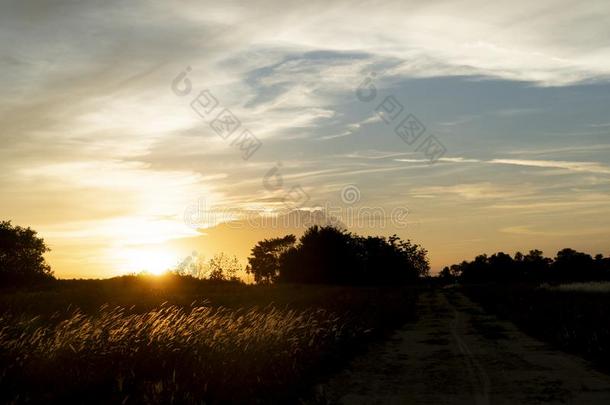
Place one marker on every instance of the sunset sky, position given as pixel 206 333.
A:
pixel 104 158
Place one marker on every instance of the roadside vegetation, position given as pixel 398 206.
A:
pixel 198 334
pixel 592 287
pixel 265 346
pixel 575 320
pixel 562 300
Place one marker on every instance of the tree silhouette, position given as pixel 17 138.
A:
pixel 222 267
pixel 569 265
pixel 264 262
pixel 21 256
pixel 325 255
pixel 330 255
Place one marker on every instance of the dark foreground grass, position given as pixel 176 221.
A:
pixel 179 340
pixel 577 322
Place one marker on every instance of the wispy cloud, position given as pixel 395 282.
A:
pixel 584 167
pixel 524 230
pixel 469 191
pixel 572 149
pixel 91 128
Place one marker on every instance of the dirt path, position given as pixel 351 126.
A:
pixel 456 354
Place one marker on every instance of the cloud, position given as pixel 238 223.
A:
pixel 470 191
pixel 572 149
pixel 527 231
pixel 453 159
pixel 371 154
pixel 583 167
pixel 353 128
pixel 90 126
pixel 561 203
pixel 586 167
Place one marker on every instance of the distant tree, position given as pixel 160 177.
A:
pixel 332 255
pixel 519 257
pixel 536 266
pixel 193 265
pixel 392 260
pixel 570 265
pixel 602 266
pixel 21 256
pixel 455 270
pixel 445 275
pixel 324 255
pixel 264 261
pixel 503 267
pixel 222 267
pixel 476 271
pixel 414 256
pixel 535 255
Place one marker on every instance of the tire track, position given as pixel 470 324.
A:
pixel 476 372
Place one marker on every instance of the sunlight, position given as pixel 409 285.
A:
pixel 153 260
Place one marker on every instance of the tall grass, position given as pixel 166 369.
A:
pixel 168 354
pixel 251 352
pixel 593 287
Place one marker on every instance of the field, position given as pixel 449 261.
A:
pixel 180 340
pixel 592 287
pixel 574 317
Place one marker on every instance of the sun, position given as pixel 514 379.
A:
pixel 155 260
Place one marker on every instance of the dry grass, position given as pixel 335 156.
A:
pixel 219 347
pixel 593 287
pixel 254 352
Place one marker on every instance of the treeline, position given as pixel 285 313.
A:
pixel 329 255
pixel 568 265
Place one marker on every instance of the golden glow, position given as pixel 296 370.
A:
pixel 119 174
pixel 154 260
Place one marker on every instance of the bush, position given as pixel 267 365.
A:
pixel 328 255
pixel 21 256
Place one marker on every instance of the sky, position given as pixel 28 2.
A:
pixel 119 141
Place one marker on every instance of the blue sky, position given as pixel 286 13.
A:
pixel 103 159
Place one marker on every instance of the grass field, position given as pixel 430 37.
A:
pixel 180 340
pixel 593 287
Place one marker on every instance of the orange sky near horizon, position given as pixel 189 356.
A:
pixel 133 134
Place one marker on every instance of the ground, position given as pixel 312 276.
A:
pixel 457 354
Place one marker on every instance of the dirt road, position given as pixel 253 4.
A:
pixel 457 354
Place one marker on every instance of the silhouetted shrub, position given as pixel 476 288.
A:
pixel 328 255
pixel 21 256
pixel 265 258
